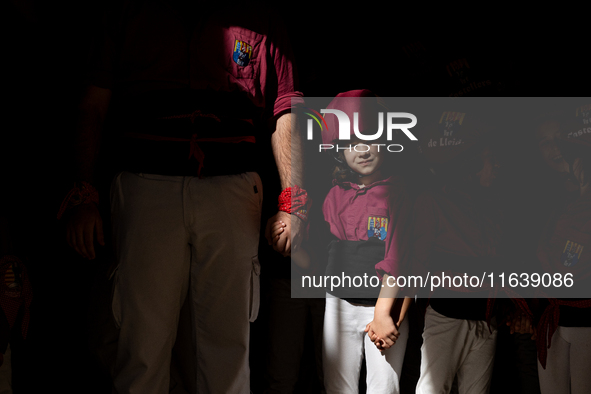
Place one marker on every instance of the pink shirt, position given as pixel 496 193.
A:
pixel 564 246
pixel 239 49
pixel 382 209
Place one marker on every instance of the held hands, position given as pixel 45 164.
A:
pixel 383 329
pixel 383 332
pixel 283 233
pixel 521 324
pixel 83 222
pixel 278 237
pixel 300 257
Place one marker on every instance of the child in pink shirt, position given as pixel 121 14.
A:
pixel 368 211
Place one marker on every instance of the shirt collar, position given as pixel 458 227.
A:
pixel 351 185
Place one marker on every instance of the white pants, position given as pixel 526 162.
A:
pixel 172 234
pixel 568 365
pixel 456 346
pixel 345 344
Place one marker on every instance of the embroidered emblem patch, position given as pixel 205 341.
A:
pixel 242 53
pixel 377 227
pixel 450 122
pixel 571 253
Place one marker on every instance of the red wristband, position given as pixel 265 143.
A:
pixel 81 193
pixel 294 200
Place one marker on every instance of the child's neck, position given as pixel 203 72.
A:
pixel 368 180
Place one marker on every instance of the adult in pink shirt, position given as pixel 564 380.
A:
pixel 193 95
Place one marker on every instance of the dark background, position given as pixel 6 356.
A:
pixel 401 50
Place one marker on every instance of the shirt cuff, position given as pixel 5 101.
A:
pixel 285 103
pixel 387 266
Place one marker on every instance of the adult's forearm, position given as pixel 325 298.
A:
pixel 288 151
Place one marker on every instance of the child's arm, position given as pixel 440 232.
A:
pixel 379 342
pixel 383 329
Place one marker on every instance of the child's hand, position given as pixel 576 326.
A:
pixel 278 236
pixel 382 331
pixel 373 337
pixel 277 229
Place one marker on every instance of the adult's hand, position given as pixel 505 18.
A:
pixel 520 324
pixel 83 223
pixel 291 237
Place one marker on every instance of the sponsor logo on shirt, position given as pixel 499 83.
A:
pixel 460 71
pixel 457 68
pixel 571 253
pixel 583 113
pixel 449 123
pixel 13 280
pixel 242 53
pixel 377 227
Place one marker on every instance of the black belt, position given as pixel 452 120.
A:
pixel 181 150
pixel 355 258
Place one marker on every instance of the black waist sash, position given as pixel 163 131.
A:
pixel 188 132
pixel 351 259
pixel 181 147
pixel 471 265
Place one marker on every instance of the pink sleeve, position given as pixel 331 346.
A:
pixel 287 79
pixel 398 235
pixel 327 207
pixel 331 216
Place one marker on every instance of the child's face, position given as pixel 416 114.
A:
pixel 366 160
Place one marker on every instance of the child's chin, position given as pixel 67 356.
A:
pixel 367 172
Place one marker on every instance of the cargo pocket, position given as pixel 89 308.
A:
pixel 116 299
pixel 257 184
pixel 255 289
